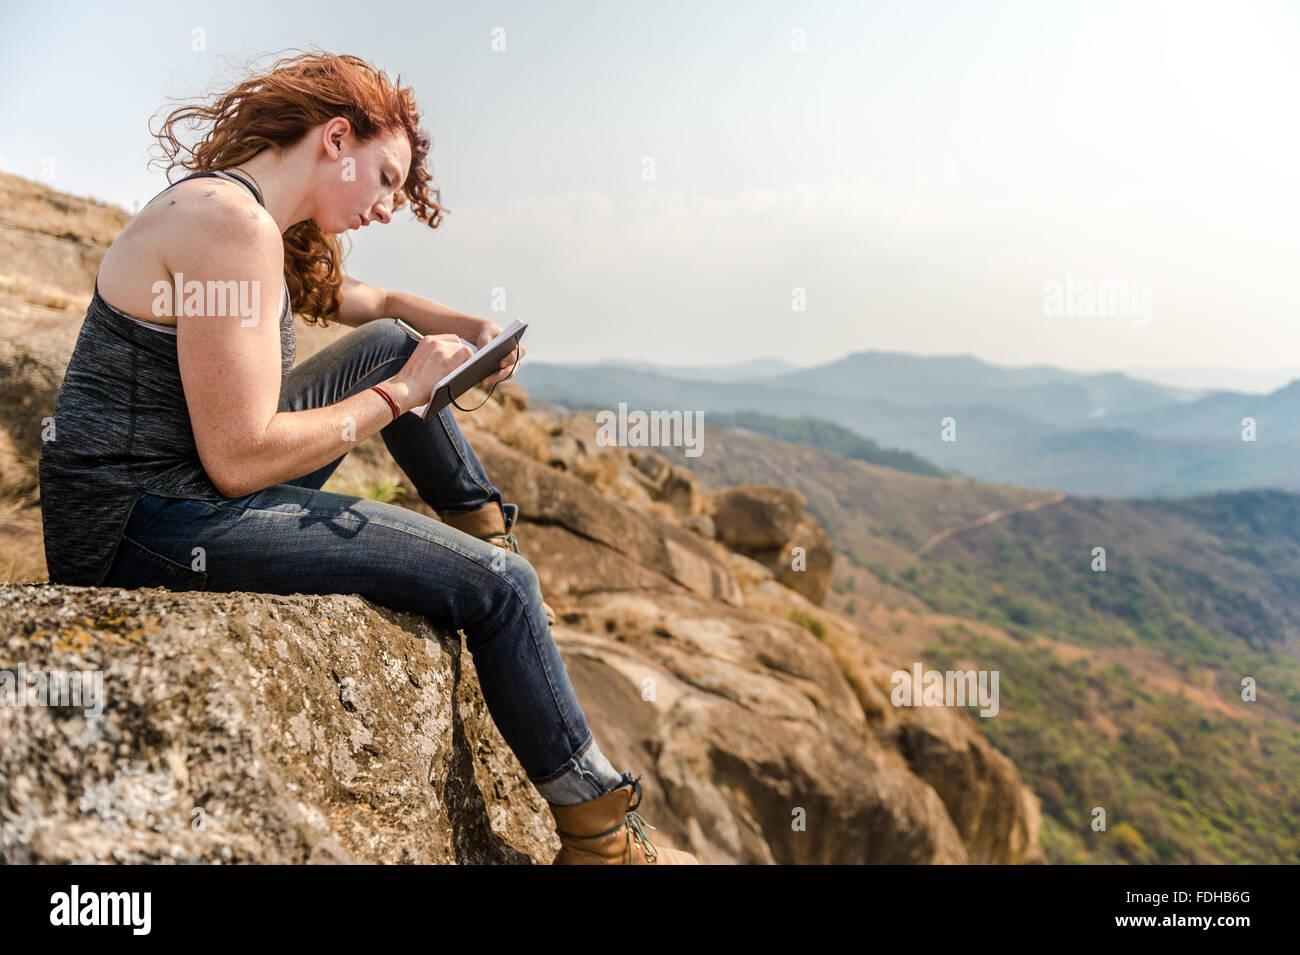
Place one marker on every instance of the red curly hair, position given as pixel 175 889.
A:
pixel 279 108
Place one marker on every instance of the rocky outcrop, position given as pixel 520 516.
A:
pixel 253 728
pixel 758 747
pixel 771 525
pixel 604 539
pixel 262 728
pixel 995 815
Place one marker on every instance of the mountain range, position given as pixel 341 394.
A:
pixel 1105 434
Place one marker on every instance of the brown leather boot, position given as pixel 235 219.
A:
pixel 491 523
pixel 608 831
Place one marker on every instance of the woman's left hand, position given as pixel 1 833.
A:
pixel 487 332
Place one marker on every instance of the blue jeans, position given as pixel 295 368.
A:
pixel 295 538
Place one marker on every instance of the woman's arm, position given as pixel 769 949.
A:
pixel 364 303
pixel 361 303
pixel 433 318
pixel 230 366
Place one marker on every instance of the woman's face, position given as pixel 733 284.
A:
pixel 367 177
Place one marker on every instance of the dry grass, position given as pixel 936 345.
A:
pixel 38 207
pixel 35 293
pixel 386 489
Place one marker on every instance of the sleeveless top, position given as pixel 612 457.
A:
pixel 122 427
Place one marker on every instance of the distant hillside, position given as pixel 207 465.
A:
pixel 1052 395
pixel 1204 379
pixel 806 430
pixel 1219 415
pixel 828 437
pixel 1125 686
pixel 1100 435
pixel 743 371
pixel 1120 689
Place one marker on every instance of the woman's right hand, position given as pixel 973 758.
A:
pixel 433 358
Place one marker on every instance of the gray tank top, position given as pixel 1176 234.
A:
pixel 121 427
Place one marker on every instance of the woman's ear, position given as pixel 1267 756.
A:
pixel 334 131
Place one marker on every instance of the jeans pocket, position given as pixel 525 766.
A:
pixel 137 566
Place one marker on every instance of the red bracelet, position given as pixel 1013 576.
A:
pixel 391 403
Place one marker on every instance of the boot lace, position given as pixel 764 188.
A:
pixel 635 830
pixel 636 824
pixel 507 540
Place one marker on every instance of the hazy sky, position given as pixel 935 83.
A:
pixel 920 170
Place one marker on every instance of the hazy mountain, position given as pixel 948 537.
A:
pixel 818 433
pixel 1049 394
pixel 1103 434
pixel 1218 416
pixel 1254 381
pixel 744 371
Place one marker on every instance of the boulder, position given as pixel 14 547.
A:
pixel 548 496
pixel 755 516
pixel 254 728
pixel 768 524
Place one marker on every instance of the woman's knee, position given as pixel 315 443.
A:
pixel 380 340
pixel 393 335
pixel 514 585
pixel 518 573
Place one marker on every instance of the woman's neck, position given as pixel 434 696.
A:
pixel 285 191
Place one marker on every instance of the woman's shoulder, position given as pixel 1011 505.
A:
pixel 184 223
pixel 201 205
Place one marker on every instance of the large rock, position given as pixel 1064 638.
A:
pixel 755 516
pixel 810 573
pixel 770 525
pixel 757 746
pixel 997 815
pixel 252 728
pixel 548 496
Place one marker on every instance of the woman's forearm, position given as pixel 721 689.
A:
pixel 296 443
pixel 430 317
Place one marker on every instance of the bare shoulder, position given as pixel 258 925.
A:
pixel 206 220
pixel 217 226
pixel 203 210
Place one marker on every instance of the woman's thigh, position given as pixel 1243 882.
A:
pixel 287 539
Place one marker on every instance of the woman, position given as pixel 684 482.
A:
pixel 188 452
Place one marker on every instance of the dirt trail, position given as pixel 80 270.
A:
pixel 990 517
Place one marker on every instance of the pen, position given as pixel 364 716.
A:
pixel 410 330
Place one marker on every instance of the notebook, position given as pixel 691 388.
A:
pixel 469 373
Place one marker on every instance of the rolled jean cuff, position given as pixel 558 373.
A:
pixel 588 775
